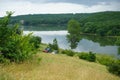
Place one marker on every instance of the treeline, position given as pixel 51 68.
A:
pixel 103 28
pixel 101 23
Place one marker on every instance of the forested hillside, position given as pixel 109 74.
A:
pixel 102 23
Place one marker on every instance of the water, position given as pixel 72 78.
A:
pixel 87 43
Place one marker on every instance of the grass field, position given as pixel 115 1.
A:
pixel 55 67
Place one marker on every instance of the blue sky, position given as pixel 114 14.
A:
pixel 21 7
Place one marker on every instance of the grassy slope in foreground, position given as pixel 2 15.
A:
pixel 56 67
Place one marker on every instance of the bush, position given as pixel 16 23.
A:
pixel 54 46
pixel 88 56
pixel 68 52
pixel 83 55
pixel 92 57
pixel 4 60
pixel 105 59
pixel 13 45
pixel 64 52
pixel 115 67
pixel 36 40
pixel 18 48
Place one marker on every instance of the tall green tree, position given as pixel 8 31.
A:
pixel 14 46
pixel 74 32
pixel 55 44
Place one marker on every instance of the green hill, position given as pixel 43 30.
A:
pixel 102 23
pixel 60 20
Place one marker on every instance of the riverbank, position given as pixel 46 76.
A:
pixel 65 32
pixel 87 43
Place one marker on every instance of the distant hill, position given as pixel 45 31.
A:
pixel 59 21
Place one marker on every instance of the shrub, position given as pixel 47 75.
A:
pixel 54 46
pixel 105 59
pixel 92 57
pixel 83 55
pixel 115 67
pixel 63 52
pixel 36 40
pixel 4 60
pixel 13 45
pixel 88 56
pixel 18 48
pixel 68 52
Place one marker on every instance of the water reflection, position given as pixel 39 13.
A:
pixel 103 41
pixel 119 50
pixel 105 45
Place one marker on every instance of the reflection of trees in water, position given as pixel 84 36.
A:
pixel 118 44
pixel 73 30
pixel 103 41
pixel 119 50
pixel 73 40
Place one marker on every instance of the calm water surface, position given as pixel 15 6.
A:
pixel 86 44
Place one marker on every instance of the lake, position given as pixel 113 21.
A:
pixel 95 44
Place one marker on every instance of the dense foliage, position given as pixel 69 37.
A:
pixel 14 46
pixel 115 67
pixel 105 59
pixel 101 23
pixel 68 52
pixel 88 56
pixel 54 46
pixel 118 41
pixel 74 31
pixel 36 40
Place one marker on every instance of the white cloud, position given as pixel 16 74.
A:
pixel 25 7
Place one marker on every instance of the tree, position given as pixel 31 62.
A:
pixel 54 46
pixel 36 40
pixel 14 46
pixel 118 41
pixel 89 27
pixel 74 31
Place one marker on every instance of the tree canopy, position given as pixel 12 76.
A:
pixel 101 23
pixel 14 46
pixel 74 32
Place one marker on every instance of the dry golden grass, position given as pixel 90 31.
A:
pixel 56 67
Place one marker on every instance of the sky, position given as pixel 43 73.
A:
pixel 22 7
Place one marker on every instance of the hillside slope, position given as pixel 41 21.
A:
pixel 57 19
pixel 101 23
pixel 56 67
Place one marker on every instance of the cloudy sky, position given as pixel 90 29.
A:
pixel 21 7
